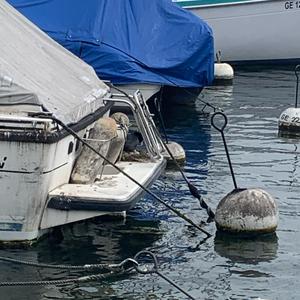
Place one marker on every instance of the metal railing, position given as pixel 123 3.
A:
pixel 143 120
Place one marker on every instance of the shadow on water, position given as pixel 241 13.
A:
pixel 91 242
pixel 251 250
pixel 264 68
pixel 103 240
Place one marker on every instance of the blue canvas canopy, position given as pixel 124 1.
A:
pixel 129 41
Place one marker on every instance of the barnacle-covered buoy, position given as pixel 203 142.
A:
pixel 247 211
pixel 176 150
pixel 289 122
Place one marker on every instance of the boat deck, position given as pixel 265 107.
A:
pixel 114 192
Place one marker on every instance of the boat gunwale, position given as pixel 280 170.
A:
pixel 222 4
pixel 44 137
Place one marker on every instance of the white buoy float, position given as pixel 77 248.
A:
pixel 224 73
pixel 176 150
pixel 247 211
pixel 289 120
pixel 171 150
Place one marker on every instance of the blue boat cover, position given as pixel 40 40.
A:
pixel 130 41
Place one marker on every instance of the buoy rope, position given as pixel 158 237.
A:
pixel 174 210
pixel 193 190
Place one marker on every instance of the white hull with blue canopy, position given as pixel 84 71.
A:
pixel 130 42
pixel 251 31
pixel 51 104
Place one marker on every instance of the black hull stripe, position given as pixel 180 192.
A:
pixel 26 172
pixel 39 136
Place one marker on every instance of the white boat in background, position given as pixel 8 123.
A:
pixel 41 83
pixel 251 30
pixel 147 90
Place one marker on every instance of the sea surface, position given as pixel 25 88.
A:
pixel 216 268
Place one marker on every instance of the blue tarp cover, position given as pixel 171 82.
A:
pixel 130 41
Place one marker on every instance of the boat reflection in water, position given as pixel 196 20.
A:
pixel 87 242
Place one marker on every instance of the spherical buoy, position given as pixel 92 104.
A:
pixel 177 152
pixel 223 74
pixel 289 122
pixel 247 211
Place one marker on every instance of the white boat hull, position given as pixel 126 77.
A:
pixel 30 172
pixel 36 161
pixel 147 90
pixel 114 194
pixel 252 31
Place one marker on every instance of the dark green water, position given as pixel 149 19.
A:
pixel 220 267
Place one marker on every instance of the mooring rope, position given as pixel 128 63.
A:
pixel 154 270
pixel 157 105
pixel 125 267
pixel 81 279
pixel 193 190
pixel 174 210
pixel 110 267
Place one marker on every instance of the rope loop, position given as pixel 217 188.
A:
pixel 145 270
pixel 220 129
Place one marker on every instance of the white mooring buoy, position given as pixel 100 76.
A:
pixel 289 120
pixel 176 150
pixel 247 211
pixel 223 72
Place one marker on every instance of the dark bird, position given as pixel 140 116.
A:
pixel 133 140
